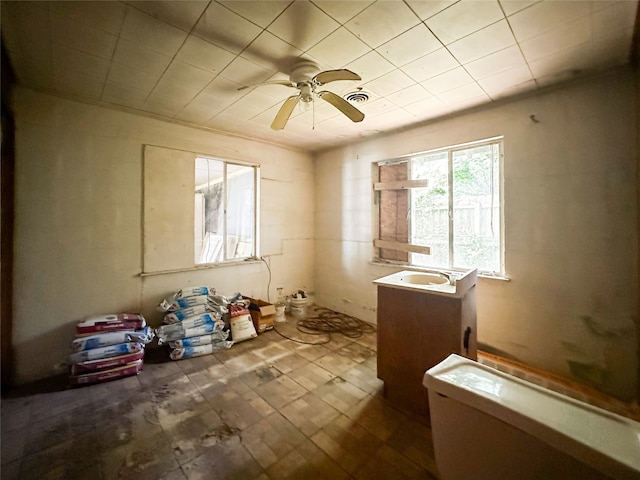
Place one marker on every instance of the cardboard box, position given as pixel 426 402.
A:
pixel 262 314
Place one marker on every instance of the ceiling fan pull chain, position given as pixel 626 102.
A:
pixel 313 114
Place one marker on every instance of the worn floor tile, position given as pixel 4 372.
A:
pixel 281 391
pixel 15 413
pixel 348 443
pixel 228 460
pixel 309 413
pixel 265 409
pixel 311 376
pixel 340 394
pixel 271 439
pixel 120 423
pixel 335 363
pixel 289 362
pixel 376 416
pixel 77 457
pixel 146 457
pixel 364 378
pixel 192 437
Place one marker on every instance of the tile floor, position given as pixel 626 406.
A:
pixel 268 408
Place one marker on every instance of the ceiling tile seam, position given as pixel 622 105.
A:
pixel 175 55
pixel 304 52
pixel 375 48
pixel 332 17
pixel 249 20
pixel 535 80
pixel 266 29
pixel 113 54
pixel 461 65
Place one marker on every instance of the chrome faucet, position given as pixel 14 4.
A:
pixel 450 277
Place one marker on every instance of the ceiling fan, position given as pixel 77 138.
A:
pixel 302 77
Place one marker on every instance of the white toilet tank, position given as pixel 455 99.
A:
pixel 489 425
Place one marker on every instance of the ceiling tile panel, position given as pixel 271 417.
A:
pixel 467 95
pixel 185 75
pixel 132 78
pixel 26 30
pixel 497 62
pixel 428 8
pixel 543 16
pixel 409 95
pixel 222 27
pixel 340 10
pixel 183 14
pixel 150 33
pixel 272 53
pixel 146 56
pixel 67 59
pixel 303 25
pixel 107 16
pixel 130 54
pixel 506 81
pixel 35 73
pixel 431 65
pixel 167 99
pixel 610 21
pixel 245 72
pixel 219 94
pixel 204 55
pixel 371 66
pixel 390 83
pixel 410 45
pixel 483 42
pixel 557 40
pixel 428 108
pixel 560 66
pixel 382 21
pixel 195 113
pixel 81 36
pixel 75 83
pixel 339 48
pixel 464 18
pixel 509 7
pixel 447 81
pixel 123 95
pixel 377 107
pixel 259 12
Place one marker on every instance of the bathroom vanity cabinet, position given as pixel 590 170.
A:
pixel 419 325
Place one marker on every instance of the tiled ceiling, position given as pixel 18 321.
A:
pixel 419 60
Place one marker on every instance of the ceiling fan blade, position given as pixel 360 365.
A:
pixel 286 83
pixel 341 104
pixel 284 113
pixel 333 75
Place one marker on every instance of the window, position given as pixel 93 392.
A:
pixel 225 206
pixel 197 210
pixel 443 208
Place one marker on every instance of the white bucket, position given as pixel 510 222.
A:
pixel 298 307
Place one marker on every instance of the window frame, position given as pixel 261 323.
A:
pixel 225 196
pixel 409 247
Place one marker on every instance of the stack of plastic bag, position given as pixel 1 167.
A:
pixel 108 347
pixel 193 323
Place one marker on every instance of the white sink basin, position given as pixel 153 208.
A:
pixel 423 279
pixel 430 282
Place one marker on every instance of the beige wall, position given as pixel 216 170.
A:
pixel 571 217
pixel 78 243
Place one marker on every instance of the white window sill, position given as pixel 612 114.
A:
pixel 206 266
